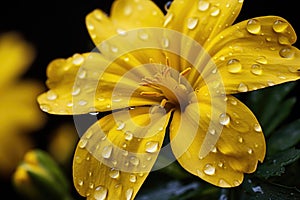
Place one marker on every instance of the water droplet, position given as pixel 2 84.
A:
pixel 120 125
pixel 129 193
pixel 82 74
pixel 220 164
pixel 100 193
pixel 132 178
pixel 165 42
pixel 128 135
pixel 224 119
pixel 215 11
pixel 90 26
pixel 209 169
pixel 261 60
pixel 242 87
pixel 151 147
pixel 51 95
pixel 214 150
pixel 212 131
pixel 192 23
pixel 143 35
pixel 114 49
pixel 45 108
pixel 107 151
pixel 98 15
pixel 127 10
pixel 80 182
pixel 77 59
pixel 287 52
pixel 234 66
pixel 168 19
pixel 284 40
pixel 75 91
pixel 134 160
pixel 257 128
pixel 167 6
pixel 250 151
pixel 82 102
pixel 224 183
pixel 240 139
pixel 203 5
pixel 280 26
pixel 253 26
pixel 82 143
pixel 114 173
pixel 257 189
pixel 121 32
pixel 256 69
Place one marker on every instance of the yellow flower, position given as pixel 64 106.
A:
pixel 19 112
pixel 175 73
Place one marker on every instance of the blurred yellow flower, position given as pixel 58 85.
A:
pixel 19 113
pixel 194 59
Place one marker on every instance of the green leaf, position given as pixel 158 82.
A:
pixel 254 189
pixel 266 102
pixel 275 165
pixel 281 114
pixel 286 137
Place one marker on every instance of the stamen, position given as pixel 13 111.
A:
pixel 163 102
pixel 183 73
pixel 151 94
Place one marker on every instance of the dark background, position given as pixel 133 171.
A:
pixel 57 29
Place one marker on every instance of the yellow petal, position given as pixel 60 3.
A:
pixel 89 83
pixel 202 20
pixel 254 54
pixel 125 15
pixel 233 138
pixel 16 55
pixel 115 155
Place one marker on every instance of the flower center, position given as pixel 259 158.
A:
pixel 171 86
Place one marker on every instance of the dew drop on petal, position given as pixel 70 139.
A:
pixel 82 102
pixel 203 5
pixel 240 139
pixel 143 35
pixel 120 125
pixel 121 32
pixel 287 53
pixel 224 119
pixel 107 151
pixel 129 193
pixel 192 23
pixel 261 60
pixel 134 161
pixel 151 147
pixel 114 173
pixel 127 10
pixel 224 183
pixel 51 95
pixel 75 91
pixel 242 87
pixel 132 178
pixel 165 42
pixel 45 108
pixel 257 128
pixel 250 151
pixel 280 26
pixel 215 11
pixel 253 26
pixel 209 169
pixel 256 69
pixel 77 59
pixel 100 193
pixel 82 143
pixel 234 66
pixel 128 135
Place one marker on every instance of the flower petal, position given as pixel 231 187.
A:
pixel 254 54
pixel 115 155
pixel 125 15
pixel 16 55
pixel 75 86
pixel 202 19
pixel 238 146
